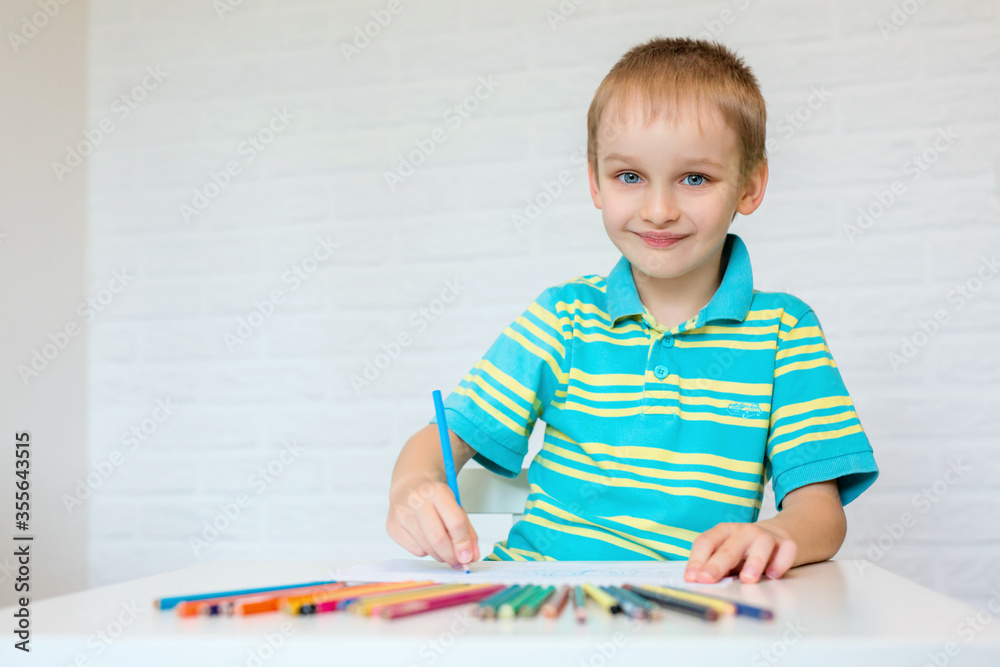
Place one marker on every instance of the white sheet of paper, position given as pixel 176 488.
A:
pixel 663 573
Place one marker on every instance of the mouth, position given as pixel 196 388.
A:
pixel 661 240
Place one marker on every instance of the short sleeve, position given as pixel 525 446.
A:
pixel 496 405
pixel 814 434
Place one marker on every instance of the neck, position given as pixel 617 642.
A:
pixel 676 300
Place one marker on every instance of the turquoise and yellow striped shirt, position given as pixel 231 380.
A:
pixel 654 435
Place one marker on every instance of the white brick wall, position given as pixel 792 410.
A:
pixel 323 176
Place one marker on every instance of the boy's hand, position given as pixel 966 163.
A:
pixel 744 549
pixel 426 519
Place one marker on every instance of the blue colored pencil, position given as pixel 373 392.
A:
pixel 446 454
pixel 170 603
pixel 449 460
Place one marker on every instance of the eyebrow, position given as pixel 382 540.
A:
pixel 692 161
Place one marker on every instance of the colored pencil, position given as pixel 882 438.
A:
pixel 226 605
pixel 488 607
pixel 262 604
pixel 555 605
pixel 531 607
pixel 650 609
pixel 719 605
pixel 169 603
pixel 628 605
pixel 509 608
pixel 446 453
pixel 741 608
pixel 307 603
pixel 259 604
pixel 398 599
pixel 684 606
pixel 357 601
pixel 419 606
pixel 370 606
pixel 579 605
pixel 606 601
pixel 654 610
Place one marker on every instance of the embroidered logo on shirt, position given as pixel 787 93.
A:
pixel 745 410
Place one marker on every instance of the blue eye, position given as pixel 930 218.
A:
pixel 629 173
pixel 695 176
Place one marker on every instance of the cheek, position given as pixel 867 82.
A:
pixel 706 209
pixel 615 210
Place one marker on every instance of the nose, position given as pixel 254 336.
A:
pixel 659 206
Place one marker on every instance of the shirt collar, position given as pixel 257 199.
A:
pixel 730 302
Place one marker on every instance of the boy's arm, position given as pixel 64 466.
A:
pixel 810 528
pixel 424 516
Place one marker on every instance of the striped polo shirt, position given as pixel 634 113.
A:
pixel 654 435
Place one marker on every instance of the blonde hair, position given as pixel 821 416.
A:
pixel 667 76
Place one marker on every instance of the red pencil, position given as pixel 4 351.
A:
pixel 447 600
pixel 554 607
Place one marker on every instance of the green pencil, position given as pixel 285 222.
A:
pixel 509 608
pixel 579 605
pixel 488 607
pixel 530 607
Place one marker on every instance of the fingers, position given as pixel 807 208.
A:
pixel 404 524
pixel 431 522
pixel 783 559
pixel 702 549
pixel 743 549
pixel 435 537
pixel 402 536
pixel 463 537
pixel 725 558
pixel 405 529
pixel 758 557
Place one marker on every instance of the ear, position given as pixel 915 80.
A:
pixel 753 191
pixel 595 190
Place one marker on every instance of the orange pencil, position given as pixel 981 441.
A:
pixel 224 604
pixel 262 604
pixel 259 604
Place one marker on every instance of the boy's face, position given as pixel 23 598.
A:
pixel 668 192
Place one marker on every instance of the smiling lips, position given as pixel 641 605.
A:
pixel 661 240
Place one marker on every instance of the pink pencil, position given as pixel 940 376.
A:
pixel 447 600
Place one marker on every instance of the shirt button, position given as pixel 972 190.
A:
pixel 660 372
pixel 668 341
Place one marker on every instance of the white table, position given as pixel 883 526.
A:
pixel 830 613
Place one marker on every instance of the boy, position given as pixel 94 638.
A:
pixel 671 390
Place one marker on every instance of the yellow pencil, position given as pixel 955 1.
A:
pixel 605 600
